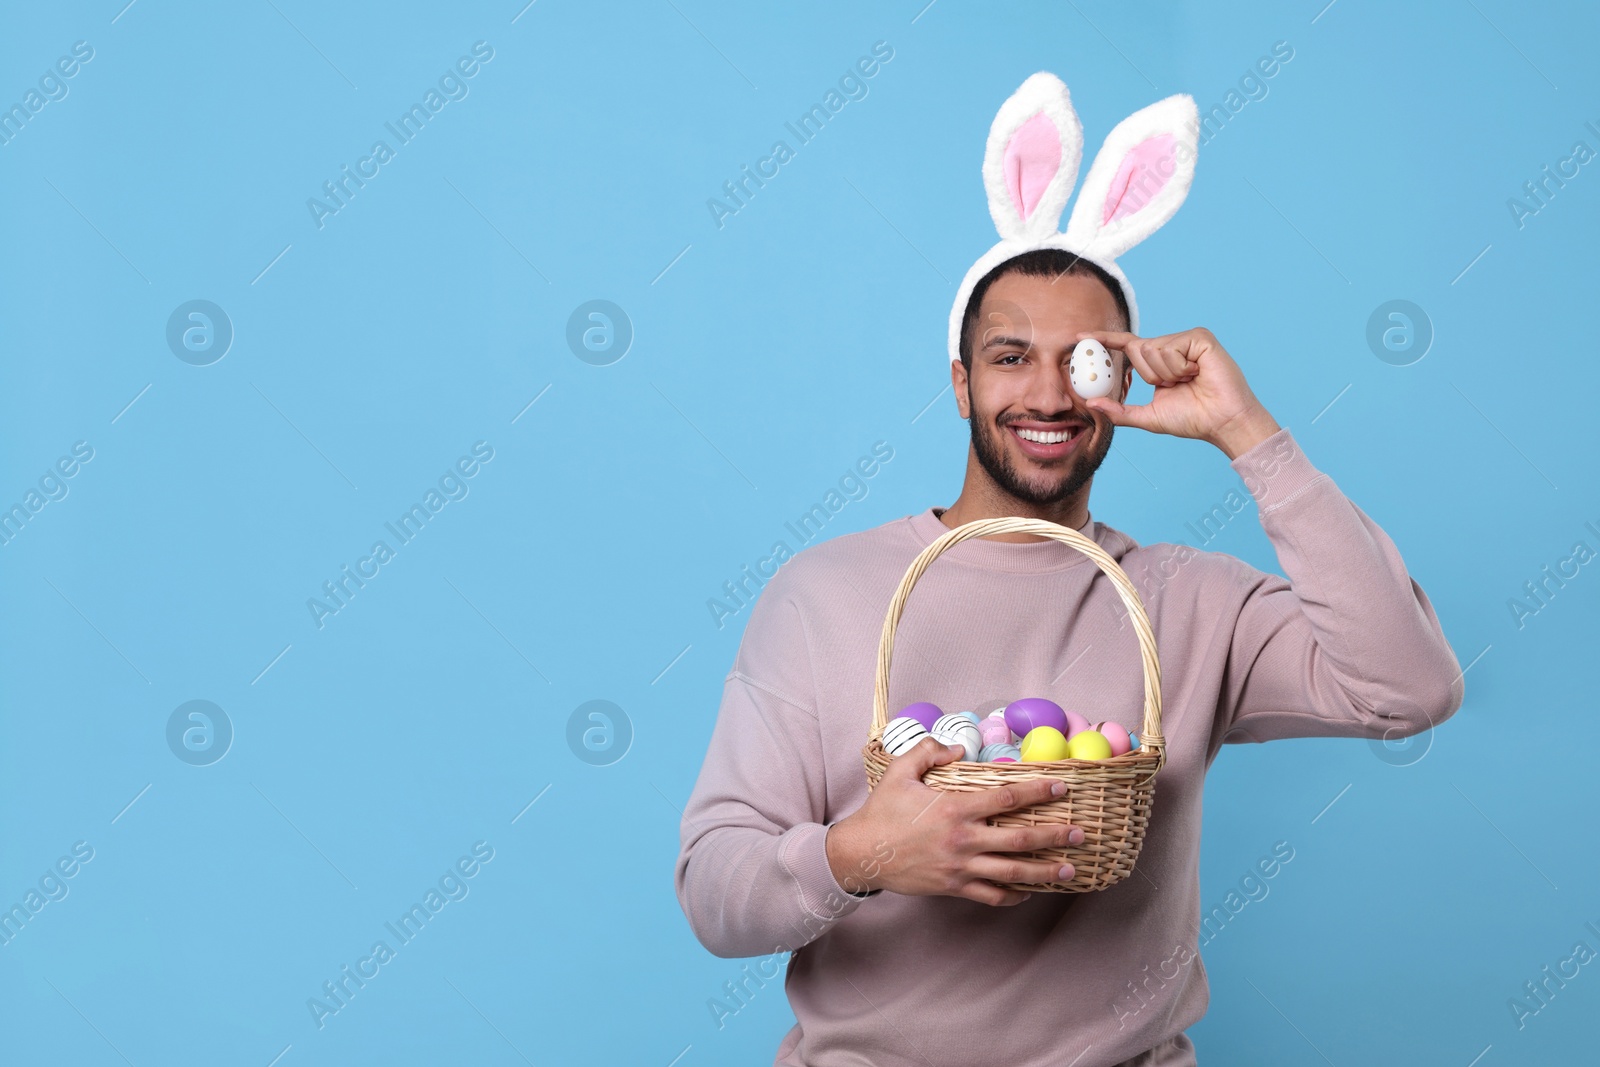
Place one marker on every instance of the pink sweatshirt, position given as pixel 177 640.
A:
pixel 1349 646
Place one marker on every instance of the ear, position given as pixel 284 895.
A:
pixel 1031 162
pixel 1139 178
pixel 959 386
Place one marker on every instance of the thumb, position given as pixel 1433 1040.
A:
pixel 1135 415
pixel 923 757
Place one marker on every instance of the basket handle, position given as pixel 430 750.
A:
pixel 1151 733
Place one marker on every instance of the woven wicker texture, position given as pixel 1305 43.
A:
pixel 1110 798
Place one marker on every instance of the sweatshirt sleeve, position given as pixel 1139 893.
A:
pixel 752 875
pixel 1349 645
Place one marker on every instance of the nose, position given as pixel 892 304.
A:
pixel 1050 389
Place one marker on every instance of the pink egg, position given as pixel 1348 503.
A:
pixel 1076 724
pixel 994 731
pixel 1120 740
pixel 1031 712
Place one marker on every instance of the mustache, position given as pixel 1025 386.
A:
pixel 1071 417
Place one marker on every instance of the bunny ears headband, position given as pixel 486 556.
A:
pixel 1137 182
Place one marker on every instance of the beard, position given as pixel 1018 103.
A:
pixel 1049 485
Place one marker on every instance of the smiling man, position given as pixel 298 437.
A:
pixel 1034 450
pixel 905 951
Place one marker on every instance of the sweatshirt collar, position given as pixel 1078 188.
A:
pixel 1030 557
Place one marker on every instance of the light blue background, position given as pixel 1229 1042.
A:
pixel 426 315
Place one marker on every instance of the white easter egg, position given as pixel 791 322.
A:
pixel 958 730
pixel 1091 370
pixel 902 734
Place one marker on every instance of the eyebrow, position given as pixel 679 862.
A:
pixel 1006 342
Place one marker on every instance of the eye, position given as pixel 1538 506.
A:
pixel 1001 360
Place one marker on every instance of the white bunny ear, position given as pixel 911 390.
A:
pixel 1031 162
pixel 1138 180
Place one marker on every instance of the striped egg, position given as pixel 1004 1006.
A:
pixel 995 753
pixel 902 734
pixel 958 730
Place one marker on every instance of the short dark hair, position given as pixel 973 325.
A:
pixel 1040 263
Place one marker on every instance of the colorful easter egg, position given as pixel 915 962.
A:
pixel 1002 753
pixel 972 715
pixel 902 734
pixel 1090 744
pixel 958 730
pixel 1076 724
pixel 1133 742
pixel 1043 743
pixel 1114 733
pixel 925 713
pixel 1030 712
pixel 994 731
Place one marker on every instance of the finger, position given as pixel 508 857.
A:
pixel 1137 355
pixel 1170 356
pixel 923 757
pixel 987 802
pixel 1025 838
pixel 1110 338
pixel 991 894
pixel 1168 360
pixel 1018 869
pixel 1185 361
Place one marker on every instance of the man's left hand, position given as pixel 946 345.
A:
pixel 1200 392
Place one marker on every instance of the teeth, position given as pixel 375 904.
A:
pixel 1042 438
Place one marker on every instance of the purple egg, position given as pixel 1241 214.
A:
pixel 1030 712
pixel 925 713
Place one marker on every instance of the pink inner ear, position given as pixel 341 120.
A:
pixel 1033 155
pixel 1145 171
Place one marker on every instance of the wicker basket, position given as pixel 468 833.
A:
pixel 1110 798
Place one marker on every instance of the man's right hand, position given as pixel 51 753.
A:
pixel 911 838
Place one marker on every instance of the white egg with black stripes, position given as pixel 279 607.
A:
pixel 959 730
pixel 901 735
pixel 1091 370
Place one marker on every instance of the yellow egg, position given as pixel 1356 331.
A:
pixel 1043 743
pixel 1088 744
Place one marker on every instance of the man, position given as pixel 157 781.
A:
pixel 904 949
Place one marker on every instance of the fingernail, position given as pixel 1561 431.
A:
pixel 1075 836
pixel 1066 873
pixel 1057 788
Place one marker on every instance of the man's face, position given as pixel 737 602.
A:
pixel 1020 385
